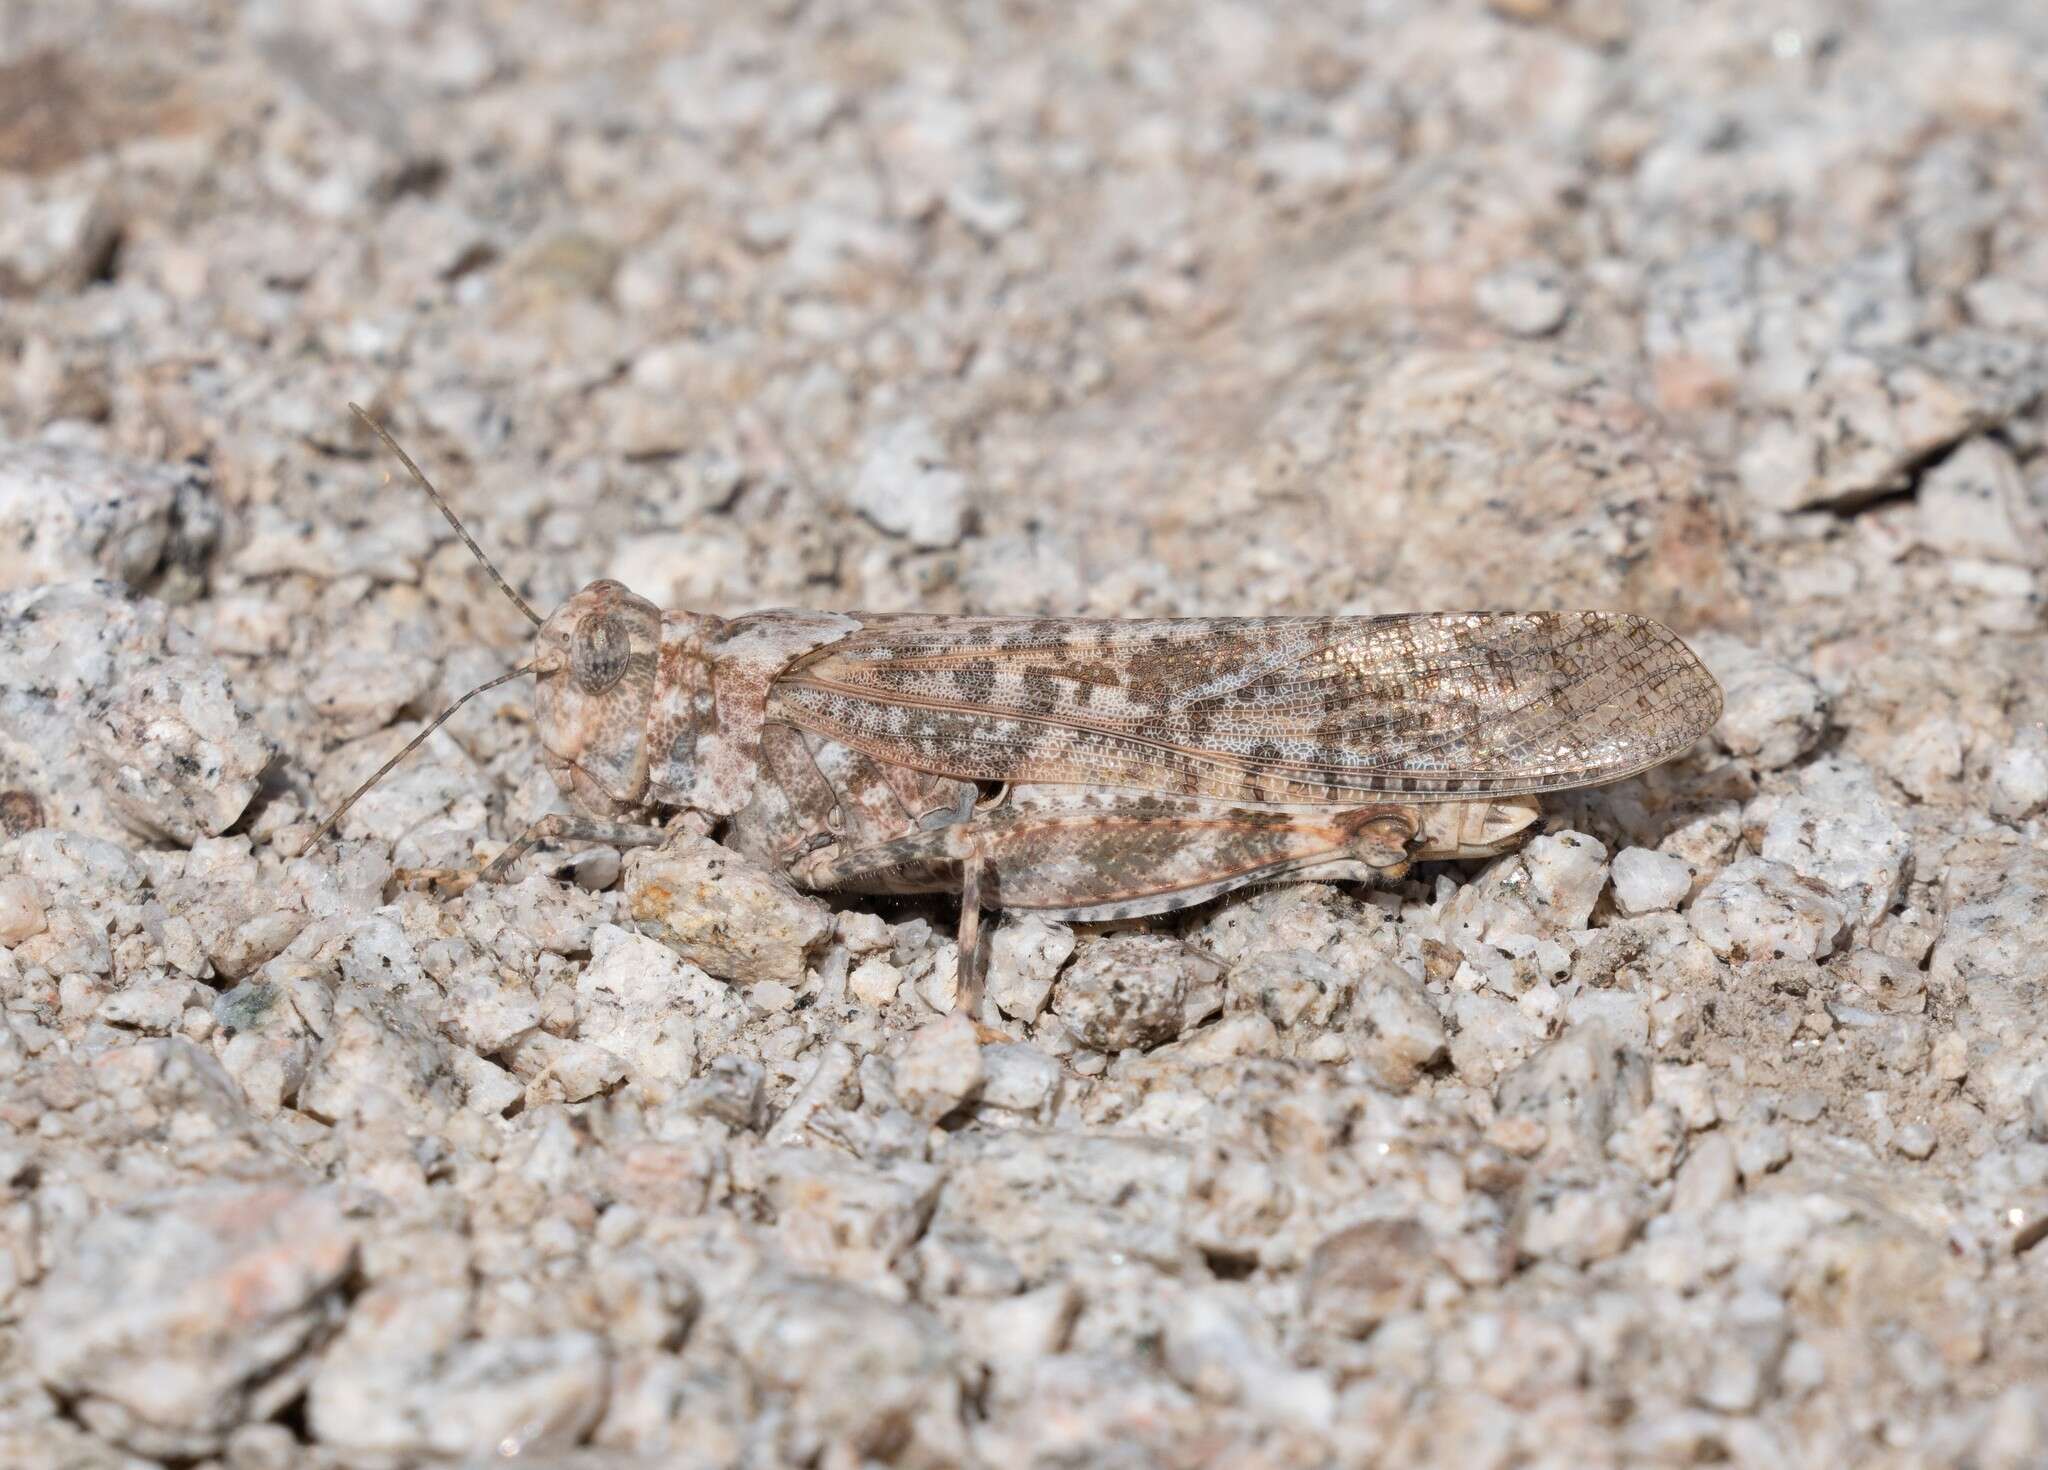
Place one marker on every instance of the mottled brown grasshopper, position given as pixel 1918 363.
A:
pixel 1083 768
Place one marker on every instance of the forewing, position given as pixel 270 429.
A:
pixel 1312 710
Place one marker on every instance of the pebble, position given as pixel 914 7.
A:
pixel 1914 1140
pixel 21 911
pixel 1567 871
pixel 2019 775
pixel 792 1336
pixel 940 1067
pixel 182 759
pixel 655 1013
pixel 1839 830
pixel 1760 910
pixel 167 1322
pixel 1019 1078
pixel 1528 298
pixel 1366 1273
pixel 1771 713
pixel 728 916
pixel 1130 990
pixel 1396 1031
pixel 70 514
pixel 841 1216
pixel 494 1396
pixel 874 982
pixel 1649 882
pixel 906 486
pixel 1025 955
pixel 1975 503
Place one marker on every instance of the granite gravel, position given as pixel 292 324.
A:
pixel 1709 1128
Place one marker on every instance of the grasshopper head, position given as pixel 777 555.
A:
pixel 595 659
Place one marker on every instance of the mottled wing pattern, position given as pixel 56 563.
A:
pixel 1310 710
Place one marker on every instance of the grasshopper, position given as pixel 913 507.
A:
pixel 1081 768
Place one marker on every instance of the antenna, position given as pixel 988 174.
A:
pixel 474 550
pixel 414 744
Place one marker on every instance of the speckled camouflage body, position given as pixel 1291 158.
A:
pixel 1096 769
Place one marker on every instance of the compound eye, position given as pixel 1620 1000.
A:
pixel 603 648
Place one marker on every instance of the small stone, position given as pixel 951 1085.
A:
pixel 1012 1333
pixel 937 978
pixel 1881 982
pixel 1237 1201
pixel 731 917
pixel 173 1315
pixel 940 1067
pixel 771 998
pixel 1527 298
pixel 1760 1149
pixel 905 486
pixel 1577 1221
pixel 2015 1434
pixel 1396 1032
pixel 69 514
pixel 1771 713
pixel 1020 1077
pixel 21 911
pixel 1840 831
pixel 1289 986
pixel 1689 1089
pixel 555 1069
pixel 56 235
pixel 842 1216
pixel 1758 910
pixel 1025 955
pixel 1048 1199
pixel 1647 881
pixel 1878 414
pixel 874 982
pixel 181 757
pixel 1567 870
pixel 1975 504
pixel 1746 1346
pixel 2019 774
pixel 1707 1178
pixel 492 1397
pixel 1362 1275
pixel 795 1336
pixel 1130 990
pixel 1650 1141
pixel 638 1001
pixel 862 934
pixel 358 691
pixel 1803 1105
pixel 986 204
pixel 729 1089
pixel 1914 1140
pixel 1488 1036
pixel 1212 1348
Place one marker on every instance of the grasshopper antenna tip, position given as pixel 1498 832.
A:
pixel 425 484
pixel 412 745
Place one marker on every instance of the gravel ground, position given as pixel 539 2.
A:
pixel 1713 1126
